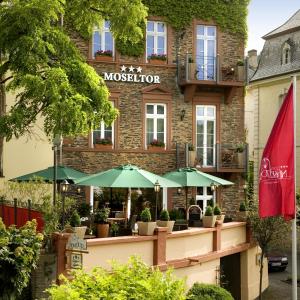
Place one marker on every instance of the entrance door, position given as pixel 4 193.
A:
pixel 230 277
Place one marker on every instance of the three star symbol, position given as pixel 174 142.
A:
pixel 131 69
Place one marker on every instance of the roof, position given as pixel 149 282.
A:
pixel 290 24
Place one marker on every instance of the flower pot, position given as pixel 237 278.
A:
pixel 192 71
pixel 240 73
pixel 168 224
pixel 102 146
pixel 242 216
pixel 192 158
pixel 157 62
pixel 146 228
pixel 80 231
pixel 155 148
pixel 209 221
pixel 240 159
pixel 103 58
pixel 102 230
pixel 220 218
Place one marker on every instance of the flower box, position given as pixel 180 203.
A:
pixel 154 61
pixel 103 147
pixel 155 148
pixel 103 58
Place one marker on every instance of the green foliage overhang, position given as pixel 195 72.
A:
pixel 229 15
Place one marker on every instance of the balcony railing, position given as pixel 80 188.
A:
pixel 209 68
pixel 220 157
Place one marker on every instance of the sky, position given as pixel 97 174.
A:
pixel 266 15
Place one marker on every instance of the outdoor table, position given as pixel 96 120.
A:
pixel 116 220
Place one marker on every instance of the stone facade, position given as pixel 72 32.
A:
pixel 130 99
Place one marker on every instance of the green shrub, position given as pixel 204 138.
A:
pixel 164 215
pixel 202 291
pixel 217 211
pixel 84 209
pixel 176 214
pixel 101 215
pixel 19 253
pixel 209 211
pixel 242 206
pixel 75 219
pixel 146 215
pixel 134 280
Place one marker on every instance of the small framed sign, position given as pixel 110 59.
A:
pixel 76 261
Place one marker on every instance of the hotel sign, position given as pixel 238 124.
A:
pixel 133 75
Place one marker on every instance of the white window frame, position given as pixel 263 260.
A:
pixel 156 116
pixel 204 197
pixel 206 118
pixel 205 37
pixel 102 32
pixel 156 34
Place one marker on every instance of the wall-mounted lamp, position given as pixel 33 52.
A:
pixel 182 114
pixel 213 186
pixel 179 191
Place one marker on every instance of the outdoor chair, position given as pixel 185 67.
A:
pixel 194 215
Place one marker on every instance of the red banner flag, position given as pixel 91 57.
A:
pixel 277 182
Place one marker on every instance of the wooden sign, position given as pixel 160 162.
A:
pixel 76 261
pixel 76 243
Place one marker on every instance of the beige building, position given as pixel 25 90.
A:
pixel 28 153
pixel 270 76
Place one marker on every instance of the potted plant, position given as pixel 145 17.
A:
pixel 209 220
pixel 102 143
pixel 239 149
pixel 218 213
pixel 100 218
pixel 192 67
pixel 242 212
pixel 156 145
pixel 75 223
pixel 192 155
pixel 146 227
pixel 164 220
pixel 240 70
pixel 104 55
pixel 157 59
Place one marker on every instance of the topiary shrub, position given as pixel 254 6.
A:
pixel 209 211
pixel 134 280
pixel 146 215
pixel 75 219
pixel 201 291
pixel 217 211
pixel 84 209
pixel 164 215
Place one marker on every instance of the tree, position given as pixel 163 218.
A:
pixel 40 63
pixel 19 254
pixel 269 233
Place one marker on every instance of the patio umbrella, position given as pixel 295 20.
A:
pixel 126 176
pixel 189 177
pixel 63 173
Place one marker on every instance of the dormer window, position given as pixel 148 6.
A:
pixel 286 54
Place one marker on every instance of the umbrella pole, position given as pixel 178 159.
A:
pixel 186 201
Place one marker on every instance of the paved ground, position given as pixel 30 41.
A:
pixel 278 289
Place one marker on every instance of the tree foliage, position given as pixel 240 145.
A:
pixel 19 252
pixel 134 280
pixel 42 66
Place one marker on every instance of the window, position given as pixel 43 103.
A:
pixel 206 134
pixel 102 38
pixel 286 54
pixel 205 196
pixel 103 132
pixel 156 38
pixel 156 123
pixel 206 52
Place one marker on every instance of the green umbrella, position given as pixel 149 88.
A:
pixel 127 176
pixel 192 177
pixel 63 173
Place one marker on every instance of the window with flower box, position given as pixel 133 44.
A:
pixel 103 43
pixel 156 40
pixel 156 120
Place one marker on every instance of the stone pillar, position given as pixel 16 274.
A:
pixel 217 238
pixel 159 250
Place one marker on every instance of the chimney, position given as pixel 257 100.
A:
pixel 252 59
